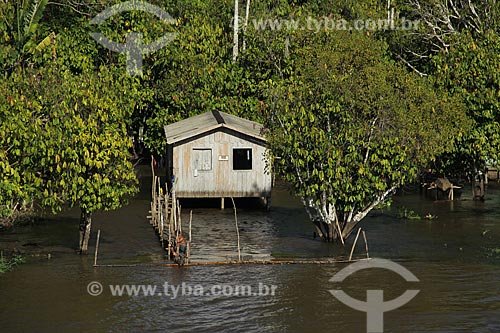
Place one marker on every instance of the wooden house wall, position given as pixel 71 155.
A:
pixel 221 180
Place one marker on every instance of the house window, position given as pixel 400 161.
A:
pixel 242 159
pixel 202 159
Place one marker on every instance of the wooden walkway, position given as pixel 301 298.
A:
pixel 166 216
pixel 247 262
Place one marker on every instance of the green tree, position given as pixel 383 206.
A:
pixel 69 142
pixel 20 32
pixel 349 127
pixel 19 141
pixel 86 159
pixel 194 74
pixel 469 70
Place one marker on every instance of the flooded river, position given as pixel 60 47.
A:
pixel 453 256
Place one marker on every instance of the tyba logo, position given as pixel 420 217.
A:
pixel 134 49
pixel 374 305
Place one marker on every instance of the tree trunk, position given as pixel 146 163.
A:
pixel 247 13
pixel 236 27
pixel 324 216
pixel 85 228
pixel 317 224
pixel 348 228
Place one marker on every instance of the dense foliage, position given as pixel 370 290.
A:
pixel 349 118
pixel 349 127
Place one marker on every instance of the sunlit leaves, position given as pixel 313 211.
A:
pixel 69 131
pixel 470 71
pixel 349 125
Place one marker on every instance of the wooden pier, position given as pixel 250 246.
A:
pixel 165 217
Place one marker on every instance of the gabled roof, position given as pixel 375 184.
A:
pixel 208 121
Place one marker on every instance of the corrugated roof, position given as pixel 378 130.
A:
pixel 208 121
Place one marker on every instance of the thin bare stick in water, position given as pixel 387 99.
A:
pixel 97 246
pixel 237 229
pixel 354 244
pixel 366 245
pixel 189 244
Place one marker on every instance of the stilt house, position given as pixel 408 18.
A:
pixel 217 155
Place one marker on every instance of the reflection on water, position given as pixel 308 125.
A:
pixel 452 256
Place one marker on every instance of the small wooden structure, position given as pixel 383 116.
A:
pixel 217 155
pixel 493 173
pixel 442 185
pixel 166 217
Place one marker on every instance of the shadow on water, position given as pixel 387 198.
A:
pixel 454 258
pixel 241 203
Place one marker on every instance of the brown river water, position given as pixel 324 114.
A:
pixel 452 256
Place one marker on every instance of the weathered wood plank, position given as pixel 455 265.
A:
pixel 221 180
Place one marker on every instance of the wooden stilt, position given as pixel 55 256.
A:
pixel 150 217
pixel 164 220
pixel 237 229
pixel 177 229
pixel 170 230
pixel 189 243
pixel 179 217
pixel 153 188
pixel 338 228
pixel 97 246
pixel 153 203
pixel 267 201
pixel 158 204
pixel 354 244
pixel 166 217
pixel 222 203
pixel 172 212
pixel 366 245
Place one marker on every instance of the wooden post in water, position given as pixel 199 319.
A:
pixel 150 216
pixel 354 244
pixel 153 203
pixel 97 246
pixel 160 226
pixel 178 226
pixel 179 218
pixel 153 176
pixel 366 245
pixel 338 228
pixel 158 205
pixel 189 243
pixel 170 230
pixel 174 211
pixel 166 218
pixel 237 229
pixel 481 185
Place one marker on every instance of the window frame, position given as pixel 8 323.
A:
pixel 250 149
pixel 211 159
